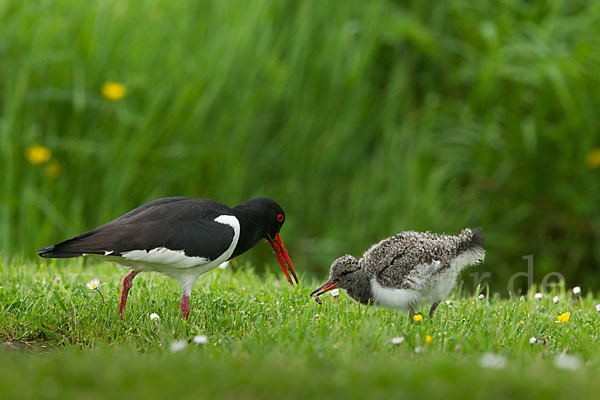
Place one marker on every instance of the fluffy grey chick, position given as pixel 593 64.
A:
pixel 407 269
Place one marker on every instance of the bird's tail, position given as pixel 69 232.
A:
pixel 470 247
pixel 477 238
pixel 69 248
pixel 49 252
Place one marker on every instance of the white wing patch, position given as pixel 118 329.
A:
pixel 235 225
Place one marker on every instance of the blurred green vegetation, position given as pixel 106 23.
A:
pixel 361 120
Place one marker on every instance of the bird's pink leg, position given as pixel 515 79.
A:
pixel 184 306
pixel 125 286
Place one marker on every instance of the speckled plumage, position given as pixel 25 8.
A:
pixel 407 269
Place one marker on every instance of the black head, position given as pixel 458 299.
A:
pixel 342 274
pixel 265 214
pixel 266 218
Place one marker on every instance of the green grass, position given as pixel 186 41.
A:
pixel 267 339
pixel 362 120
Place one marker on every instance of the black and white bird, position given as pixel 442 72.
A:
pixel 406 270
pixel 180 237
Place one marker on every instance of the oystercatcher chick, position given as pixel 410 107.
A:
pixel 407 269
pixel 180 237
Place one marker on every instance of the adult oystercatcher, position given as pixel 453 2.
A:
pixel 406 269
pixel 180 237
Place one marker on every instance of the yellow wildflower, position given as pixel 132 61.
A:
pixel 592 159
pixel 38 154
pixel 418 318
pixel 563 318
pixel 113 91
pixel 428 339
pixel 53 169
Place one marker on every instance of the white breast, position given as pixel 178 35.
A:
pixel 395 298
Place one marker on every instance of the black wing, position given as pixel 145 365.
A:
pixel 176 223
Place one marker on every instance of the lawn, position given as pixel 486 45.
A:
pixel 266 339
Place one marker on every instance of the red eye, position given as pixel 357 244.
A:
pixel 280 218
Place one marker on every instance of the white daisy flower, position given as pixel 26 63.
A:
pixel 93 284
pixel 177 345
pixel 448 303
pixel 576 290
pixel 492 361
pixel 200 339
pixel 335 292
pixel 398 340
pixel 532 340
pixel 481 296
pixel 555 299
pixel 598 307
pixel 538 296
pixel 154 316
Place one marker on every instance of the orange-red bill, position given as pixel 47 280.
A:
pixel 283 258
pixel 324 288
